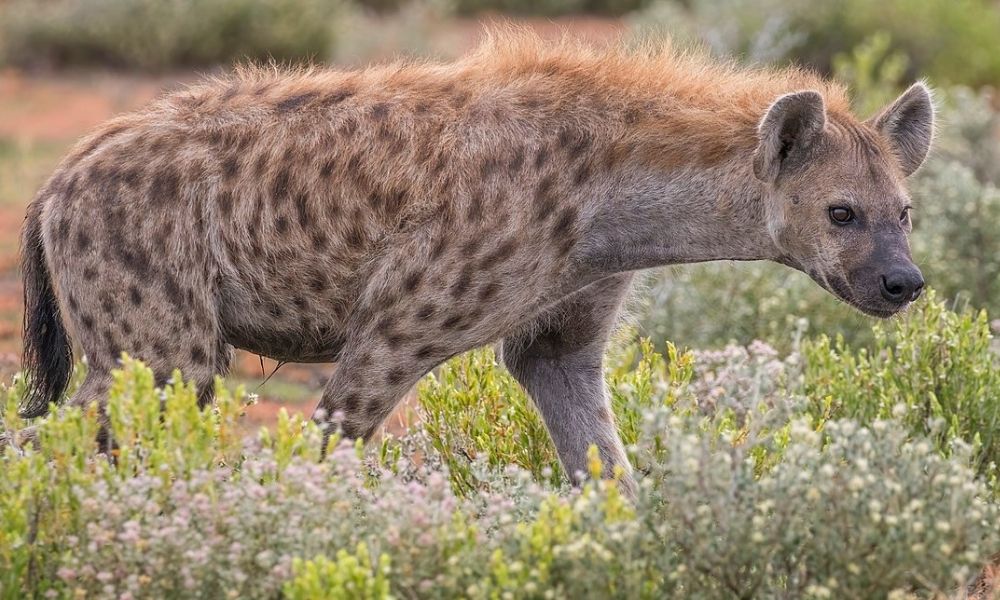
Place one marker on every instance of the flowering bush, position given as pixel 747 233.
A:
pixel 748 487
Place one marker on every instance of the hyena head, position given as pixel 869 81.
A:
pixel 835 199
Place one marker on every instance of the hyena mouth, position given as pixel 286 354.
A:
pixel 839 287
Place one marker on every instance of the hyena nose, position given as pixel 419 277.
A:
pixel 902 284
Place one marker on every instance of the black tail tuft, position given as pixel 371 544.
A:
pixel 48 355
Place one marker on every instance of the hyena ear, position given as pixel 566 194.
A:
pixel 792 124
pixel 908 123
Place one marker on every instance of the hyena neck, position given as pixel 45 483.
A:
pixel 688 214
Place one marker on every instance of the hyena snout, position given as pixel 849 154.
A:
pixel 901 284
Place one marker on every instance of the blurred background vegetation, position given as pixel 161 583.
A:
pixel 119 53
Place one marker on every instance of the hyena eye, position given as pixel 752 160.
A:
pixel 841 215
pixel 905 214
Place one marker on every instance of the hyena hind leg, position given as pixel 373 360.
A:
pixel 560 365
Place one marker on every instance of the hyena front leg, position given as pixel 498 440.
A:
pixel 391 345
pixel 559 363
pixel 365 388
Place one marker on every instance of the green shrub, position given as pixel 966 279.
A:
pixel 932 370
pixel 949 41
pixel 475 414
pixel 350 576
pixel 155 34
pixel 187 509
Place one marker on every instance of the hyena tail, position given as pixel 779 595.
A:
pixel 48 355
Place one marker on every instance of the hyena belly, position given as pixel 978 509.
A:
pixel 290 304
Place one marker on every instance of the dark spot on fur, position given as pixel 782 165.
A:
pixel 426 351
pixel 544 197
pixel 426 311
pixel 470 247
pixel 394 339
pixel 385 325
pixel 226 203
pixel 231 167
pixel 260 165
pixel 460 99
pixel 516 161
pixel 87 321
pixel 294 102
pixel 583 173
pixel 319 240
pixel 279 190
pixel 82 241
pixel 133 257
pixel 352 402
pixel 198 355
pixel 499 255
pixel 451 322
pixel 231 93
pixel 173 291
pixel 488 291
pixel 134 295
pixel 281 224
pixel 355 236
pixel 462 284
pixel 439 247
pixel 113 349
pixel 395 376
pixel 338 96
pixel 541 157
pixel 574 142
pixel 62 231
pixel 327 169
pixel 108 304
pixel 489 166
pixel 166 185
pixel 380 111
pixel 318 281
pixel 564 225
pixel 126 328
pixel 89 273
pixel 302 210
pixel 412 281
pixel 475 211
pixel 565 136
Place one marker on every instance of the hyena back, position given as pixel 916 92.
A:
pixel 390 218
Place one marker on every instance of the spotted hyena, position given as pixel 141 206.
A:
pixel 390 218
